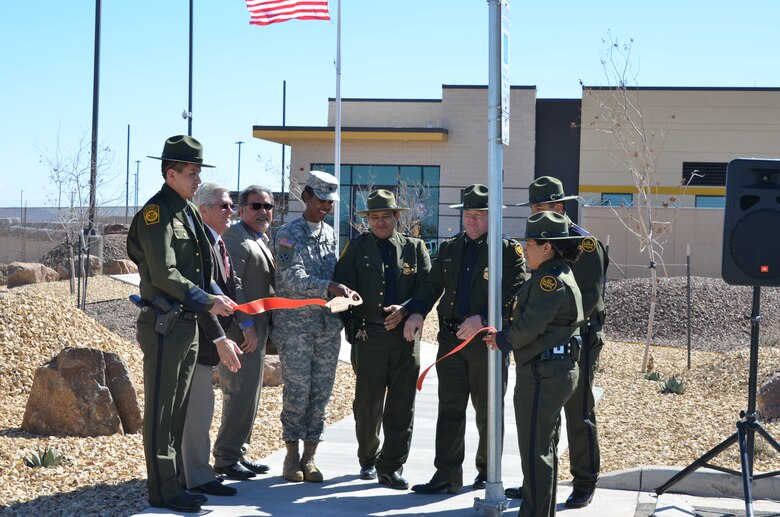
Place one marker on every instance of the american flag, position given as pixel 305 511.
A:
pixel 264 12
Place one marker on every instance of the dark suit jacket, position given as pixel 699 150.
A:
pixel 210 326
pixel 253 263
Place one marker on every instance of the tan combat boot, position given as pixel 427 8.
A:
pixel 291 471
pixel 309 468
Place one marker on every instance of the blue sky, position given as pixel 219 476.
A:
pixel 390 49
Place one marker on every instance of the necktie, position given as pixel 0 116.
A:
pixel 387 252
pixel 464 286
pixel 225 259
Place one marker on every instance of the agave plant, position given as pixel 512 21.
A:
pixel 653 376
pixel 48 457
pixel 673 385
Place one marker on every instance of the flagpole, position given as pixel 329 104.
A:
pixel 337 157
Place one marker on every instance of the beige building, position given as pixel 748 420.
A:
pixel 441 144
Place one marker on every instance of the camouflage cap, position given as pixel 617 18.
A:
pixel 324 185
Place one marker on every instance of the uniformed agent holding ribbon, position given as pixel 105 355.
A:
pixel 544 338
pixel 386 268
pixel 459 276
pixel 169 244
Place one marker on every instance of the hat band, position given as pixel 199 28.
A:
pixel 180 158
pixel 549 199
pixel 546 235
pixel 473 206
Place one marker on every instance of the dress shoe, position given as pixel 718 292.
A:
pixel 437 487
pixel 257 468
pixel 196 498
pixel 579 499
pixel 393 480
pixel 368 472
pixel 479 481
pixel 514 492
pixel 235 471
pixel 214 488
pixel 180 503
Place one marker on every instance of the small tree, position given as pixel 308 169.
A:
pixel 637 150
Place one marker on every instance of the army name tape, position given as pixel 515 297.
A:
pixel 421 379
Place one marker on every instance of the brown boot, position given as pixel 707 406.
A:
pixel 291 471
pixel 309 468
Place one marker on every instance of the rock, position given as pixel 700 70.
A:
pixel 116 229
pixel 73 395
pixel 119 267
pixel 768 399
pixel 272 373
pixel 23 273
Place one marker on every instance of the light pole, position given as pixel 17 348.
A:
pixel 137 162
pixel 238 182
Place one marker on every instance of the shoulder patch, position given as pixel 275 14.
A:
pixel 588 244
pixel 151 214
pixel 342 251
pixel 519 250
pixel 548 283
pixel 286 243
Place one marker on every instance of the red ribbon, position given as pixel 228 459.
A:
pixel 269 304
pixel 453 351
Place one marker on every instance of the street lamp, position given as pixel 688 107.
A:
pixel 238 182
pixel 137 162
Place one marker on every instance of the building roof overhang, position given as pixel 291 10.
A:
pixel 288 134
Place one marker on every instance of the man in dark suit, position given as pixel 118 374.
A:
pixel 215 206
pixel 253 261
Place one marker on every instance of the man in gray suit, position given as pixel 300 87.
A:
pixel 247 243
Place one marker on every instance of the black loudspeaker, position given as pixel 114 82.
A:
pixel 751 226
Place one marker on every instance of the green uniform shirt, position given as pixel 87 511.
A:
pixel 589 272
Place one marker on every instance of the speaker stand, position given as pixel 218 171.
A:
pixel 747 426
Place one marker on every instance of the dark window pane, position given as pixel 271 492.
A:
pixel 704 173
pixel 411 175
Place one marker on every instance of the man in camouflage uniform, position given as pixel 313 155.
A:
pixel 546 194
pixel 459 276
pixel 169 244
pixel 309 338
pixel 386 268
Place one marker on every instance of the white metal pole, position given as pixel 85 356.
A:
pixel 337 156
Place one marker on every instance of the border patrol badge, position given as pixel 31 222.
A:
pixel 485 274
pixel 407 269
pixel 151 214
pixel 588 244
pixel 548 283
pixel 519 250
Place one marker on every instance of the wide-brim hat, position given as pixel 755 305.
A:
pixel 475 197
pixel 546 189
pixel 380 200
pixel 548 226
pixel 184 149
pixel 324 185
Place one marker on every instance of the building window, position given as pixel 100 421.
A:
pixel 705 174
pixel 608 199
pixel 710 202
pixel 415 186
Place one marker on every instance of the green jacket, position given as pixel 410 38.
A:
pixel 548 312
pixel 589 271
pixel 173 258
pixel 446 271
pixel 360 268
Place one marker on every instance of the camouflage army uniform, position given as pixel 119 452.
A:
pixel 309 338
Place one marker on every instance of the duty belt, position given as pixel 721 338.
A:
pixel 593 323
pixel 450 326
pixel 558 352
pixel 188 315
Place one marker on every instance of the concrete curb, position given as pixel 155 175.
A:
pixel 703 482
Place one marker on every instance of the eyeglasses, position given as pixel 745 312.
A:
pixel 258 206
pixel 223 206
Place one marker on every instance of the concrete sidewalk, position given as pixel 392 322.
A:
pixel 622 494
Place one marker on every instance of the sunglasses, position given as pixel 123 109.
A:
pixel 224 206
pixel 258 206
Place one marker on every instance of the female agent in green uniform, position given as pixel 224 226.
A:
pixel 545 321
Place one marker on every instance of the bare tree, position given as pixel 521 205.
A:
pixel 637 150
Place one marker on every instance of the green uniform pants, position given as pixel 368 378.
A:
pixel 461 376
pixel 542 388
pixel 387 366
pixel 580 409
pixel 169 363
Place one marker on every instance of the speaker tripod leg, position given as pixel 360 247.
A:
pixel 744 429
pixel 702 461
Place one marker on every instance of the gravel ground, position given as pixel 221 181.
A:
pixel 638 425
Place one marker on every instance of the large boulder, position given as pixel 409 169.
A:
pixel 116 229
pixel 272 374
pixel 82 392
pixel 768 399
pixel 119 267
pixel 23 273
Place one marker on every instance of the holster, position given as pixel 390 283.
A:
pixel 168 312
pixel 575 346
